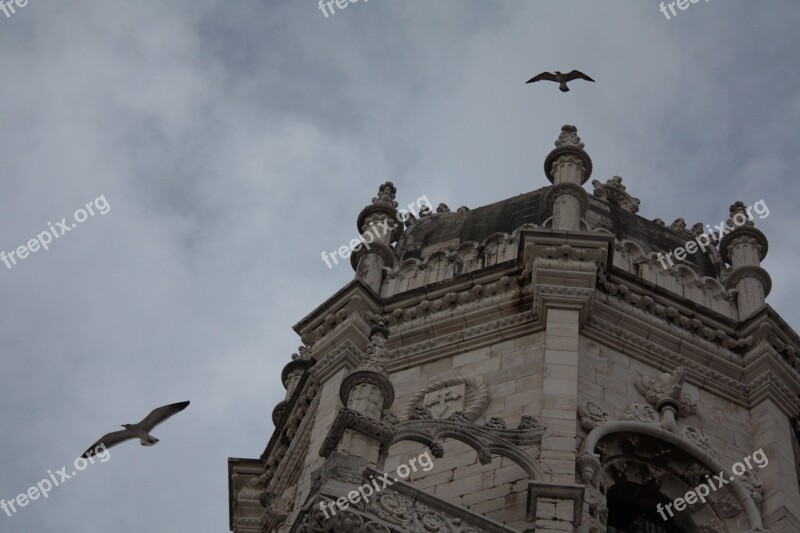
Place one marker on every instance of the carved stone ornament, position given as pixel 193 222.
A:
pixel 445 397
pixel 613 191
pixel 592 415
pixel 349 419
pixel 696 437
pixel 569 148
pixel 444 402
pixel 277 509
pixel 528 422
pixel 667 389
pixel 409 515
pixel 641 413
pixel 496 423
pixel 420 413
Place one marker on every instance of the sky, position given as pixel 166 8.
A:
pixel 235 141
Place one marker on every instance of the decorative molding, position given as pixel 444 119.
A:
pixel 750 271
pixel 489 440
pixel 570 189
pixel 613 191
pixel 350 419
pixel 671 315
pixel 590 465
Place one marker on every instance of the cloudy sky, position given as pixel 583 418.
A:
pixel 236 140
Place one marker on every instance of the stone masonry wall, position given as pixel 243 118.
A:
pixel 513 372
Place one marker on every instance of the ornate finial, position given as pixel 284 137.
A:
pixel 569 149
pixel 425 211
pixel 382 207
pixel 462 209
pixel 442 208
pixel 569 137
pixel 659 222
pixel 613 191
pixel 386 194
pixel 697 229
pixel 739 216
pixel 679 224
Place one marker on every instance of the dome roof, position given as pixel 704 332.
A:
pixel 447 230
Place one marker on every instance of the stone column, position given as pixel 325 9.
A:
pixel 564 272
pixel 744 248
pixel 367 392
pixel 568 167
pixel 379 228
pixel 290 377
pixel 559 404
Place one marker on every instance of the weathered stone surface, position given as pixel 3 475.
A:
pixel 540 355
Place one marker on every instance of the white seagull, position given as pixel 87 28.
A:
pixel 139 431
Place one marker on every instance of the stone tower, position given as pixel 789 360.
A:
pixel 549 362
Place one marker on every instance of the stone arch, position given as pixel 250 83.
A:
pixel 713 286
pixel 467 257
pixel 494 247
pixel 631 255
pixel 485 441
pixel 408 271
pixel 438 267
pixel 591 468
pixel 686 273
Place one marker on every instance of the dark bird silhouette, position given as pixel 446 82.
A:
pixel 139 431
pixel 561 78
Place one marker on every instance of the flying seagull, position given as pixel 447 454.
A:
pixel 561 78
pixel 139 431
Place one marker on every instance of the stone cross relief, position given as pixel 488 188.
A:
pixel 444 402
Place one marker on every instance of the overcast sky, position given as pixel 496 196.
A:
pixel 236 140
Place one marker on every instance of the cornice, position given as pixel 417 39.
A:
pixel 353 300
pixel 666 354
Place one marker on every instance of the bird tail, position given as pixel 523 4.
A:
pixel 563 88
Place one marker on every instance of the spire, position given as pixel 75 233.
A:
pixel 379 227
pixel 744 247
pixel 567 167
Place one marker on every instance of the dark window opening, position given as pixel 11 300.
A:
pixel 632 509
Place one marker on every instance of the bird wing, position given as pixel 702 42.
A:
pixel 160 414
pixel 108 440
pixel 577 74
pixel 543 76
